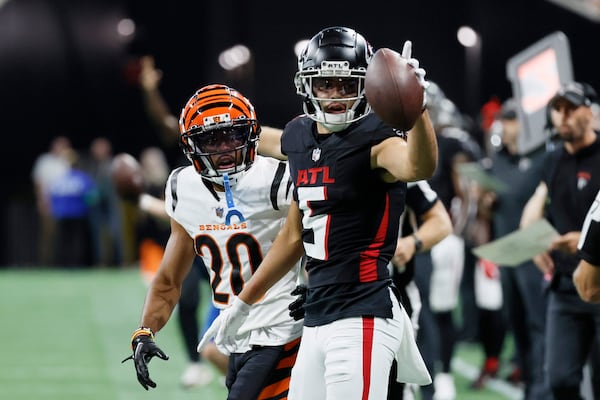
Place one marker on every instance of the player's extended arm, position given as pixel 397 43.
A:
pixel 269 143
pixel 416 158
pixel 587 281
pixel 165 290
pixel 422 147
pixel 408 160
pixel 287 249
pixel 162 297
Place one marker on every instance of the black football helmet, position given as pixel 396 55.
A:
pixel 334 53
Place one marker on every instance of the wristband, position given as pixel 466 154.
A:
pixel 142 331
pixel 418 243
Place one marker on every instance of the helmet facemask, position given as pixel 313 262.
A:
pixel 356 106
pixel 221 150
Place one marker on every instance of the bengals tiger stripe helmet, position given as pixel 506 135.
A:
pixel 219 132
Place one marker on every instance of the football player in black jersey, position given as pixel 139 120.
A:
pixel 349 171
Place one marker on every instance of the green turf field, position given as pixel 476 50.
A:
pixel 64 333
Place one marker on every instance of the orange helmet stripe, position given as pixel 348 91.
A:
pixel 214 100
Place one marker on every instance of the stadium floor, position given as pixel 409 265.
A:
pixel 65 332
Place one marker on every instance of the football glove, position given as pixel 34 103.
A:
pixel 297 306
pixel 225 327
pixel 420 72
pixel 144 348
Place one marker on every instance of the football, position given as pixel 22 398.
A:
pixel 393 90
pixel 127 176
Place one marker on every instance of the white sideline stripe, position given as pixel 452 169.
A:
pixel 471 373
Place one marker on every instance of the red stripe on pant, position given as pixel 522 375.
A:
pixel 368 323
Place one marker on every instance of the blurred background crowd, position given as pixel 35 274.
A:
pixel 71 69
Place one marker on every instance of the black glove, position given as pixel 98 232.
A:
pixel 144 348
pixel 297 306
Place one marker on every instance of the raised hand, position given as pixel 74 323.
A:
pixel 420 72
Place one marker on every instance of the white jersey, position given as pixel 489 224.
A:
pixel 232 252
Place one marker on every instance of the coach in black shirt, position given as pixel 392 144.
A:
pixel 571 181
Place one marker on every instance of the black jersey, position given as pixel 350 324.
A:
pixel 350 217
pixel 452 142
pixel 573 181
pixel 521 174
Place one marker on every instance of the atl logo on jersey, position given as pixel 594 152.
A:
pixel 314 176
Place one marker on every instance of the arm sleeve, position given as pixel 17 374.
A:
pixel 588 246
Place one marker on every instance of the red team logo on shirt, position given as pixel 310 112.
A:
pixel 313 176
pixel 583 177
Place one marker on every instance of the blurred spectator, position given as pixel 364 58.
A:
pixel 107 238
pixel 72 196
pixel 47 167
pixel 522 286
pixel 165 122
pixel 152 232
pixel 424 223
pixel 449 258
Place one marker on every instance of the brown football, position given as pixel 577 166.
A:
pixel 393 90
pixel 127 176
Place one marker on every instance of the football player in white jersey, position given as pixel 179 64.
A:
pixel 587 275
pixel 227 207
